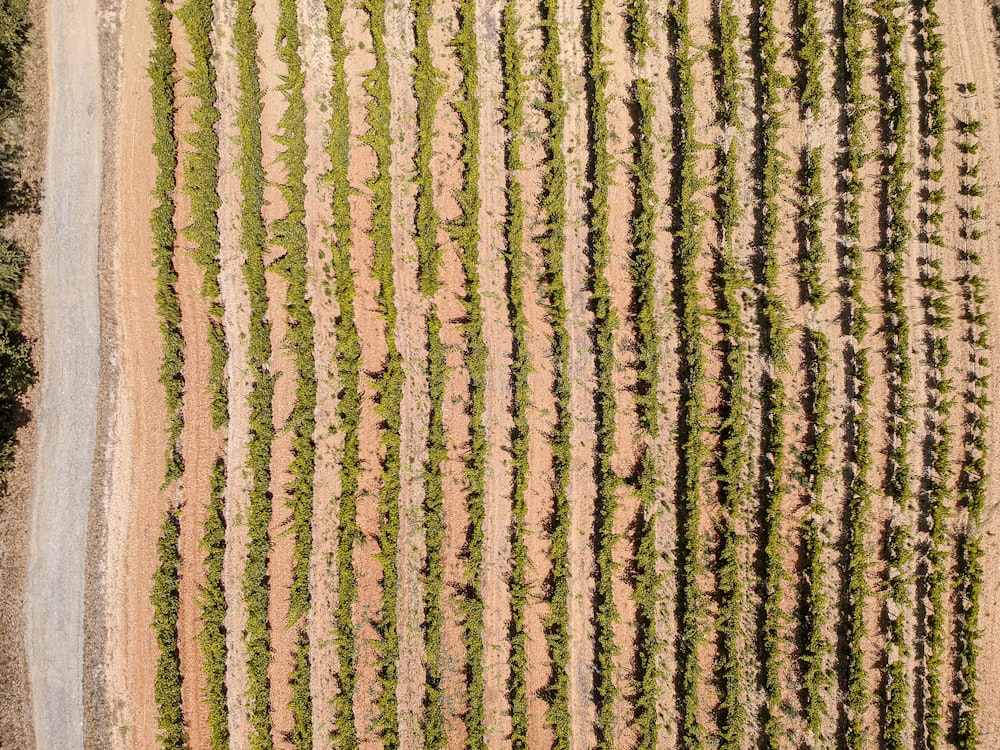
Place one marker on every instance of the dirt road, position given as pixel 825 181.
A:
pixel 67 409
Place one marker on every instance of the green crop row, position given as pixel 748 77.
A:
pixel 734 431
pixel 253 240
pixel 201 185
pixel 605 324
pixel 389 384
pixel 553 204
pixel 164 594
pixel 974 472
pixel 693 453
pixel 854 57
pixel 290 234
pixel 348 358
pixel 648 579
pixel 466 233
pixel 810 49
pixel 161 71
pixel 775 337
pixel 213 611
pixel 513 122
pixel 811 208
pixel 895 119
pixel 166 607
pixel 428 89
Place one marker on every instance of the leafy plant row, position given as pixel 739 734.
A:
pixel 810 50
pixel 164 596
pixel 201 185
pixel 466 233
pixel 647 593
pixel 895 119
pixel 605 325
pixel 552 242
pixel 253 240
pixel 816 458
pixel 290 234
pixel 348 358
pixel 511 57
pixel 858 592
pixel 428 89
pixel 736 487
pixel 940 495
pixel 775 335
pixel 163 77
pixel 389 382
pixel 693 453
pixel 974 471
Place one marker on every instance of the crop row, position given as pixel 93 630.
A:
pixel 648 481
pixel 974 471
pixel 164 594
pixel 389 382
pixel 201 185
pixel 290 234
pixel 693 453
pixel 513 122
pixel 348 358
pixel 253 240
pixel 605 324
pixel 775 335
pixel 895 120
pixel 552 241
pixel 853 60
pixel 736 486
pixel 466 233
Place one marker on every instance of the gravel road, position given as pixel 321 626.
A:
pixel 67 407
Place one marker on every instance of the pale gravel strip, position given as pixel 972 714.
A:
pixel 582 490
pixel 411 338
pixel 236 303
pixel 67 405
pixel 497 417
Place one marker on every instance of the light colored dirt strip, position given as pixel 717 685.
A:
pixel 496 418
pixel 316 57
pixel 969 33
pixel 236 305
pixel 581 490
pixel 135 502
pixel 412 341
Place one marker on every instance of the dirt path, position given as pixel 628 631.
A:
pixel 67 404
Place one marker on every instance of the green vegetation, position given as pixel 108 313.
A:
pixel 605 324
pixel 895 120
pixel 201 185
pixel 166 604
pixel 693 452
pixel 253 240
pixel 735 478
pixel 466 233
pixel 513 122
pixel 809 49
pixel 811 208
pixel 428 89
pixel 774 336
pixel 854 23
pixel 290 234
pixel 213 612
pixel 389 383
pixel 348 358
pixel 552 242
pixel 974 471
pixel 161 70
